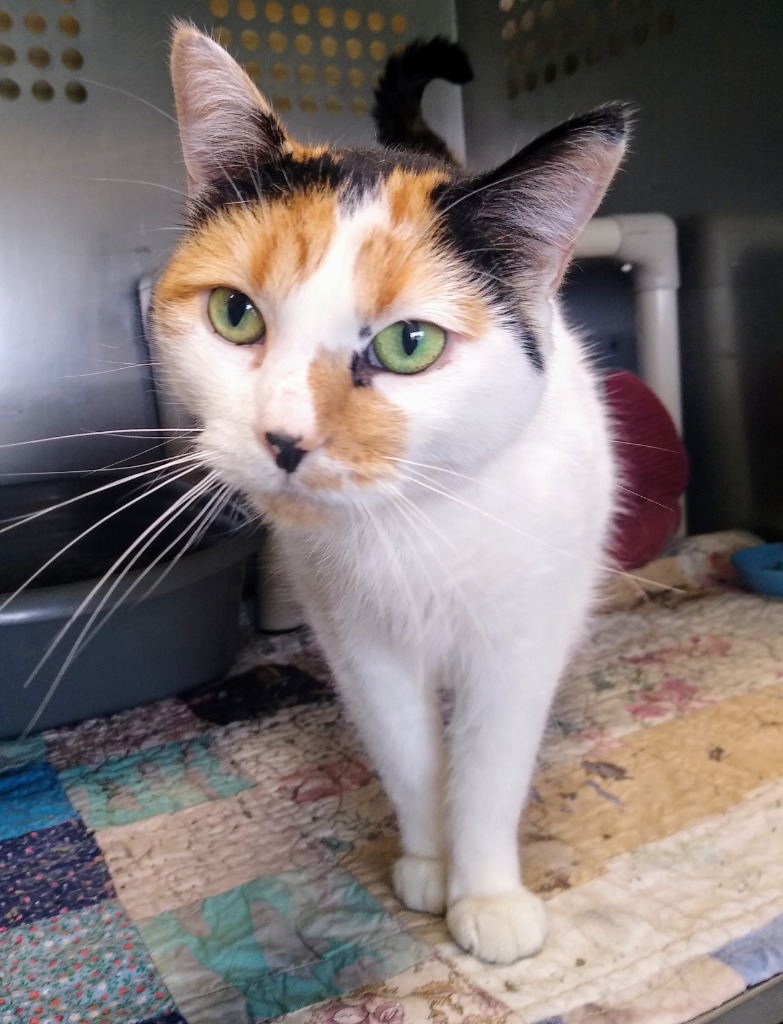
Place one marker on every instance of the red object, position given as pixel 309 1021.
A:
pixel 653 470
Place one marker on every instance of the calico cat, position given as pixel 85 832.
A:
pixel 371 343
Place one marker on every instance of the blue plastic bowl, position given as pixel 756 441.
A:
pixel 761 568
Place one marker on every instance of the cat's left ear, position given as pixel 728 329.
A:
pixel 533 208
pixel 225 124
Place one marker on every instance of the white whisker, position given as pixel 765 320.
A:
pixel 153 528
pixel 190 460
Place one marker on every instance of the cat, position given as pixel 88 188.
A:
pixel 371 343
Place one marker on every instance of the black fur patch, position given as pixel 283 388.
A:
pixel 494 256
pixel 351 174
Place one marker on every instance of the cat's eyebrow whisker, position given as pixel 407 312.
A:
pixel 135 181
pixel 131 95
pixel 413 478
pixel 190 461
pixel 155 528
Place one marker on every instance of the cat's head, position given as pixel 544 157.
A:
pixel 331 314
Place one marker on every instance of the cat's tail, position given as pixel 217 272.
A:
pixel 397 111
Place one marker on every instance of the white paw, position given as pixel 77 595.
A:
pixel 499 929
pixel 420 883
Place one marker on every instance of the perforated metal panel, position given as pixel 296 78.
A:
pixel 542 40
pixel 40 52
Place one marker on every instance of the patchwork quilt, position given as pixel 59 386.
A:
pixel 225 856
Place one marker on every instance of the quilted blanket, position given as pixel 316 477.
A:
pixel 225 856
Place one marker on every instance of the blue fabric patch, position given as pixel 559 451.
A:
pixel 48 872
pixel 551 1020
pixel 31 798
pixel 160 780
pixel 277 944
pixel 756 956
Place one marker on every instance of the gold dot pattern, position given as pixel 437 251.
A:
pixel 246 10
pixel 9 90
pixel 72 59
pixel 68 25
pixel 42 91
pixel 35 23
pixel 7 55
pixel 6 22
pixel 38 57
pixel 549 39
pixel 294 31
pixel 75 92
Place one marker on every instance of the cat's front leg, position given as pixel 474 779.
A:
pixel 499 718
pixel 399 720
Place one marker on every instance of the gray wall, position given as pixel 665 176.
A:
pixel 89 192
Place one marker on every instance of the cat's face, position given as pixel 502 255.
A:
pixel 331 315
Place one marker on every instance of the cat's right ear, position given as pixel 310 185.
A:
pixel 225 124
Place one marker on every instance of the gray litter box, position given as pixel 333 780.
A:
pixel 173 628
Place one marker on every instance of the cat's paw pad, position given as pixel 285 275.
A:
pixel 499 929
pixel 420 883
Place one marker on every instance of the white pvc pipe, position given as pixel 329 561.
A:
pixel 647 241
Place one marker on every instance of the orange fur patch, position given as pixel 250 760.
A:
pixel 363 429
pixel 266 247
pixel 405 264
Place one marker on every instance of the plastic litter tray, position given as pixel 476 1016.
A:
pixel 170 627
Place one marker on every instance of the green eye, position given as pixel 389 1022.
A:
pixel 408 346
pixel 234 317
